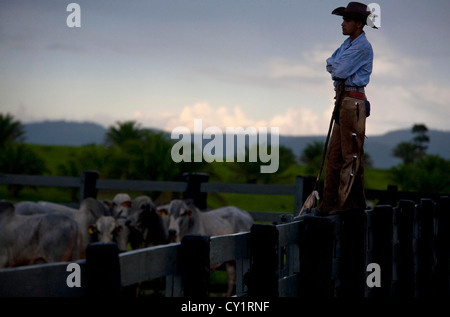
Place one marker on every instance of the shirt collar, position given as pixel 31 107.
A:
pixel 362 35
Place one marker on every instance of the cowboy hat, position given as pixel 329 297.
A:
pixel 354 10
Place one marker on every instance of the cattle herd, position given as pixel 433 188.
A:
pixel 44 232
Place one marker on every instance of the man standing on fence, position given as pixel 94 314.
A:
pixel 350 67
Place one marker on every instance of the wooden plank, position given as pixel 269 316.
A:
pixel 195 265
pixel 266 216
pixel 262 279
pixel 174 285
pixel 262 189
pixel 443 247
pixel 288 286
pixel 380 233
pixel 316 256
pixel 139 185
pixel 229 247
pixel 425 247
pixel 242 267
pixel 288 233
pixel 43 280
pixel 37 180
pixel 149 263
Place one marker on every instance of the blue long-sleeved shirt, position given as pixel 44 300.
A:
pixel 352 61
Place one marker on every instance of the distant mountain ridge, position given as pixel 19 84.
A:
pixel 379 147
pixel 64 133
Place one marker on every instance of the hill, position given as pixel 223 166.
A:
pixel 379 147
pixel 64 133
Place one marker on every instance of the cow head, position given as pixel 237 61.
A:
pixel 145 224
pixel 120 205
pixel 105 229
pixel 181 218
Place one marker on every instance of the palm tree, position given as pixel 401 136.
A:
pixel 10 130
pixel 125 131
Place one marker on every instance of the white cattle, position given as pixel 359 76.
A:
pixel 36 239
pixel 185 218
pixel 88 213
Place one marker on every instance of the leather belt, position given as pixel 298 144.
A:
pixel 354 88
pixel 354 94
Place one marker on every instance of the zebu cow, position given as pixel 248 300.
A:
pixel 119 208
pixel 90 210
pixel 185 219
pixel 35 239
pixel 145 224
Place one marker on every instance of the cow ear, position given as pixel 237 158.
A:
pixel 92 229
pixel 163 212
pixel 189 213
pixel 126 204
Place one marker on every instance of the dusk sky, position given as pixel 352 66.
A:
pixel 231 63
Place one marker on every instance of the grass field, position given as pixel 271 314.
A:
pixel 56 156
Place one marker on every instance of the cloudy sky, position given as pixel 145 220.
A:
pixel 230 63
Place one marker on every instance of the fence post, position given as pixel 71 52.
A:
pixel 405 250
pixel 392 192
pixel 303 187
pixel 88 187
pixel 425 247
pixel 443 247
pixel 380 236
pixel 262 277
pixel 195 266
pixel 102 270
pixel 352 264
pixel 316 257
pixel 194 181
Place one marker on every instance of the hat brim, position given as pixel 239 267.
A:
pixel 338 11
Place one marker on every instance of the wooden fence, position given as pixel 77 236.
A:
pixel 304 256
pixel 197 186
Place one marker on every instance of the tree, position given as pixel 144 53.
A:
pixel 429 174
pixel 10 130
pixel 421 139
pixel 312 157
pixel 410 152
pixel 250 172
pixel 125 131
pixel 20 159
pixel 406 151
pixel 15 156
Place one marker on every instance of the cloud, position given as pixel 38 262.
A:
pixel 310 65
pixel 293 121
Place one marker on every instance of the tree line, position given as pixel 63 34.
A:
pixel 129 151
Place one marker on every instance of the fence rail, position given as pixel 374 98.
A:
pixel 197 186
